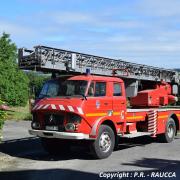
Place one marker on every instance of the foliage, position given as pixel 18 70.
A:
pixel 36 82
pixel 13 82
pixel 3 115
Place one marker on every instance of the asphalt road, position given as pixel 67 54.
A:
pixel 22 157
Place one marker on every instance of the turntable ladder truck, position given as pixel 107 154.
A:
pixel 102 101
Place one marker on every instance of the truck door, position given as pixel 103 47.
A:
pixel 98 102
pixel 119 101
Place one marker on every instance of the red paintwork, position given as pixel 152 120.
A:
pixel 159 96
pixel 93 116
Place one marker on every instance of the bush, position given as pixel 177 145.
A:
pixel 36 82
pixel 13 82
pixel 3 115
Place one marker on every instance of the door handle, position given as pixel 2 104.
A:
pixel 123 103
pixel 106 104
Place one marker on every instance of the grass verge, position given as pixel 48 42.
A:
pixel 19 113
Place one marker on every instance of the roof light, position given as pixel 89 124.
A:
pixel 88 71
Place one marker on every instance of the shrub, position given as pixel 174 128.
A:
pixel 13 82
pixel 36 81
pixel 3 115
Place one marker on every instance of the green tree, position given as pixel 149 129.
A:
pixel 36 81
pixel 13 82
pixel 3 116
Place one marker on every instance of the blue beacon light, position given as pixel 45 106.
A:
pixel 88 72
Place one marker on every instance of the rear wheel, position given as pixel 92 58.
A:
pixel 55 146
pixel 170 132
pixel 103 146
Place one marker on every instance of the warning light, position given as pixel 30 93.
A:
pixel 88 72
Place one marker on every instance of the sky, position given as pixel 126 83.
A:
pixel 141 31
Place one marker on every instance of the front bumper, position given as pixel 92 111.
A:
pixel 60 135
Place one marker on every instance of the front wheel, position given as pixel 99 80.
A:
pixel 170 132
pixel 103 146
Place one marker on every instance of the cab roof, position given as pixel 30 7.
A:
pixel 95 78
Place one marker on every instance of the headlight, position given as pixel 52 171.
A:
pixel 70 127
pixel 35 125
pixel 73 118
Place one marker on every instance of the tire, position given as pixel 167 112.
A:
pixel 116 144
pixel 170 132
pixel 103 146
pixel 55 146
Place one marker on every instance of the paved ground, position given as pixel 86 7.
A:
pixel 22 157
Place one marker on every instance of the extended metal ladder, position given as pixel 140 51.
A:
pixel 49 59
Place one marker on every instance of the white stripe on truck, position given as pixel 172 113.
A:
pixel 61 107
pixel 53 106
pixel 80 110
pixel 70 108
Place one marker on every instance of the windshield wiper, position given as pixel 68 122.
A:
pixel 84 96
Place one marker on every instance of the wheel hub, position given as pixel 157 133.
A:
pixel 105 142
pixel 170 131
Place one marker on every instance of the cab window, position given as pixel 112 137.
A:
pixel 117 90
pixel 100 89
pixel 97 89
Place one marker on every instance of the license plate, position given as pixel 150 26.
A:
pixel 52 128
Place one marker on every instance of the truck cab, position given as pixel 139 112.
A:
pixel 79 107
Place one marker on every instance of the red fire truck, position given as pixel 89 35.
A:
pixel 120 100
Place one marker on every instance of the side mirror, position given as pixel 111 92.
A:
pixel 175 89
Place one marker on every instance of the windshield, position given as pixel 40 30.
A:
pixel 50 89
pixel 56 88
pixel 73 88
